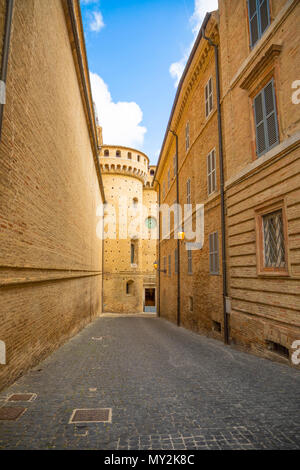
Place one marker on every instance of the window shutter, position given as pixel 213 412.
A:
pixel 209 173
pixel 253 21
pixel 259 123
pixel 216 250
pixel 213 167
pixel 264 15
pixel 210 95
pixel 272 131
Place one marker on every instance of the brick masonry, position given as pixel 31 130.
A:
pixel 50 258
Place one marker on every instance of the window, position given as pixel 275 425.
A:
pixel 211 172
pixel 266 119
pixel 150 223
pixel 132 253
pixel 259 19
pixel 174 165
pixel 213 253
pixel 273 240
pixel 190 259
pixel 188 191
pixel 176 261
pixel 165 264
pixel 135 202
pixel 169 179
pixel 208 97
pixel 118 153
pixel 106 153
pixel 169 265
pixel 187 136
pixel 191 304
pixel 151 172
pixel 129 155
pixel 129 288
pixel 138 158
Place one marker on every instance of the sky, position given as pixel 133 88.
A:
pixel 137 50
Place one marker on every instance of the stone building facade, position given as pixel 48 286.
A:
pixel 262 148
pixel 130 243
pixel 194 120
pixel 259 65
pixel 50 186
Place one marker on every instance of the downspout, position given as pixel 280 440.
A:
pixel 221 164
pixel 159 238
pixel 5 54
pixel 178 241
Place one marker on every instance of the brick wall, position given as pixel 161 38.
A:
pixel 50 256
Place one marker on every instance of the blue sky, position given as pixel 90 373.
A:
pixel 137 50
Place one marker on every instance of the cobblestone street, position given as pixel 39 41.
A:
pixel 167 387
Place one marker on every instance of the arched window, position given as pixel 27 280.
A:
pixel 129 155
pixel 135 202
pixel 151 172
pixel 106 153
pixel 129 287
pixel 118 153
pixel 138 158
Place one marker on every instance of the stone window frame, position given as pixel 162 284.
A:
pixel 260 212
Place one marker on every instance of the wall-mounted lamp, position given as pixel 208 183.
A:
pixel 155 265
pixel 181 235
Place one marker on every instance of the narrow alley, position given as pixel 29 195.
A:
pixel 166 388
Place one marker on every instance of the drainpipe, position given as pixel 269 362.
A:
pixel 5 54
pixel 221 164
pixel 178 241
pixel 158 294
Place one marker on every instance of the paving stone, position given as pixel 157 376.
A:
pixel 168 389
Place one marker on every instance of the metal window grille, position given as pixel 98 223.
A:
pixel 208 97
pixel 169 265
pixel 274 249
pixel 211 172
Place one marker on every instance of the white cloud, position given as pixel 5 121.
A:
pixel 97 22
pixel 201 8
pixel 120 121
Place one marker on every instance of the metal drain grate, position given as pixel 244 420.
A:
pixel 22 397
pixel 9 413
pixel 97 415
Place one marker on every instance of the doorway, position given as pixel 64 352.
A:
pixel 149 300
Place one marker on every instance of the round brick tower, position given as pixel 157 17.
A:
pixel 129 276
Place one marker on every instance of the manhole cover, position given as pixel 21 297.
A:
pixel 98 415
pixel 22 397
pixel 9 413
